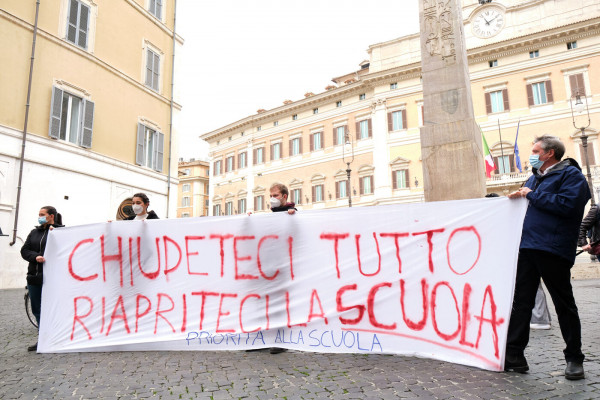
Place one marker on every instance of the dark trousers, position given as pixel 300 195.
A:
pixel 35 296
pixel 556 273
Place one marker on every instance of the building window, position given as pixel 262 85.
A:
pixel 229 208
pixel 78 23
pixel 400 179
pixel 504 164
pixel 229 165
pixel 275 151
pixel 275 123
pixel 339 135
pixel 316 141
pixel 571 45
pixel 207 173
pixel 534 54
pixel 295 117
pixel 71 118
pixel 186 172
pixel 297 196
pixel 493 63
pixel 397 120
pixel 338 103
pixel 577 85
pixel 217 209
pixel 363 129
pixel 366 184
pixel 185 187
pixel 185 215
pixel 258 128
pixel 152 69
pixel 394 86
pixel 295 146
pixel 496 101
pixel 185 201
pixel 315 110
pixel 242 206
pixel 340 189
pixel 317 193
pixel 242 160
pixel 539 93
pixel 156 8
pixel 362 96
pixel 230 138
pixel 259 155
pixel 149 150
pixel 259 202
pixel 217 168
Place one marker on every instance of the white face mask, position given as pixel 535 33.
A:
pixel 137 209
pixel 275 202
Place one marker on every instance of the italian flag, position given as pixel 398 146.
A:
pixel 489 161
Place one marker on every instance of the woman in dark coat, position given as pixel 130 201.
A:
pixel 33 251
pixel 589 222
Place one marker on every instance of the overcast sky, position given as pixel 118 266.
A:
pixel 242 55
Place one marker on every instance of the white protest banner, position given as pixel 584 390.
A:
pixel 432 280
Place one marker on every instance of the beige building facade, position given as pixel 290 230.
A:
pixel 528 61
pixel 192 192
pixel 100 112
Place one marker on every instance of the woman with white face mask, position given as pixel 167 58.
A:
pixel 140 203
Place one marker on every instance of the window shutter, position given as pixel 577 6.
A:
pixel 580 84
pixel 72 28
pixel 314 194
pixel 156 72
pixel 300 196
pixel 337 190
pixel 158 9
pixel 358 133
pixel 505 98
pixel 232 163
pixel 511 160
pixel 215 168
pixel 239 157
pixel 346 133
pixel 159 152
pixel 407 178
pixel 549 95
pixel 404 124
pixel 84 16
pixel 291 150
pixel 372 177
pixel 530 95
pixel 488 103
pixel 390 122
pixel 55 113
pixel 271 152
pixel 139 149
pixel 239 207
pixel 361 186
pixel 254 156
pixel 312 142
pixel 573 83
pixel 300 145
pixel 87 125
pixel 335 142
pixel 255 201
pixel 370 128
pixel 394 180
pixel 497 164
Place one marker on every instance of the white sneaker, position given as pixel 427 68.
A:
pixel 539 326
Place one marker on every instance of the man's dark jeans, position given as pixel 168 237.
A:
pixel 556 273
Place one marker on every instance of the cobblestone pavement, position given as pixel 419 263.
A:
pixel 291 375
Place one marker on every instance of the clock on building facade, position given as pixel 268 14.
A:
pixel 488 22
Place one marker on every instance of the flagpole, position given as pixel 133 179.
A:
pixel 516 149
pixel 501 147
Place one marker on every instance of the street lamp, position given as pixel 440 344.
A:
pixel 578 108
pixel 348 157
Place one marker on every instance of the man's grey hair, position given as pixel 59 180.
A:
pixel 548 142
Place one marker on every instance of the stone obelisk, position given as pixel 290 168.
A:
pixel 451 145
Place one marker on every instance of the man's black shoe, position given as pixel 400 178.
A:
pixel 516 364
pixel 33 347
pixel 277 350
pixel 574 371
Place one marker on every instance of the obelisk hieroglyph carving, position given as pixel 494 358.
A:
pixel 450 139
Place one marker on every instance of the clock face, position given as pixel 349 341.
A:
pixel 488 22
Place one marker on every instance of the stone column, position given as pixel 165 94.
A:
pixel 381 156
pixel 450 139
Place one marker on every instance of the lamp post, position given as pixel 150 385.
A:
pixel 348 157
pixel 578 108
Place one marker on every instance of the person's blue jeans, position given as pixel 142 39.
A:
pixel 35 296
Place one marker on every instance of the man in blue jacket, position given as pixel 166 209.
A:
pixel 557 193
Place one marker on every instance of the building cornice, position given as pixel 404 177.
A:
pixel 155 21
